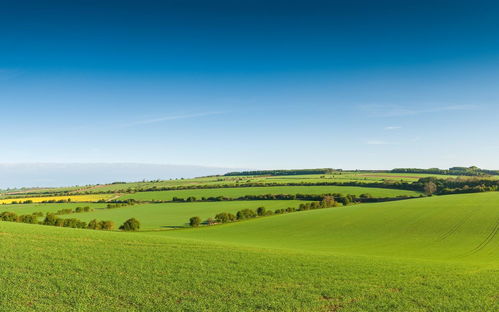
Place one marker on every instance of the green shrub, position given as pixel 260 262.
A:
pixel 130 225
pixel 195 221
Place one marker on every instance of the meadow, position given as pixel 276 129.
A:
pixel 332 259
pixel 172 215
pixel 242 191
pixel 437 253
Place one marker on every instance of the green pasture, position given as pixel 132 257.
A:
pixel 454 227
pixel 171 215
pixel 21 209
pixel 242 191
pixel 295 262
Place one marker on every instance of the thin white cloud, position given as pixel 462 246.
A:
pixel 167 118
pixel 399 111
pixel 379 142
pixel 392 128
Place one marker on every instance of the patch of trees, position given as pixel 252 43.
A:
pixel 282 172
pixel 245 214
pixel 344 199
pixel 118 204
pixel 431 185
pixel 460 171
pixel 76 210
pixel 52 219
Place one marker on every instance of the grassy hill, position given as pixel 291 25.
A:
pixel 429 254
pixel 157 216
pixel 237 192
pixel 458 227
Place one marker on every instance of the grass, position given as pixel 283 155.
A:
pixel 171 215
pixel 74 198
pixel 429 254
pixel 237 192
pixel 31 208
pixel 458 227
pixel 60 269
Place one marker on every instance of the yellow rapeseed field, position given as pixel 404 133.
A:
pixel 73 198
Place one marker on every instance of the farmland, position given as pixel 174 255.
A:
pixel 73 198
pixel 307 261
pixel 238 192
pixel 435 253
pixel 170 215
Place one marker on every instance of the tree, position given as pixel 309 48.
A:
pixel 130 225
pixel 225 217
pixel 106 225
pixel 93 225
pixel 260 211
pixel 195 221
pixel 430 187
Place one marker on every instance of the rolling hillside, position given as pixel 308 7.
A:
pixel 457 227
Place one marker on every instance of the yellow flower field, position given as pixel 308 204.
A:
pixel 73 198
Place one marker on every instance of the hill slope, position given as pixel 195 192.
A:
pixel 459 227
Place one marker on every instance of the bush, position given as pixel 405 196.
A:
pixel 106 225
pixel 195 221
pixel 225 217
pixel 260 211
pixel 130 225
pixel 245 214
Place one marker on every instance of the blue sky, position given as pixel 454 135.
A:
pixel 251 84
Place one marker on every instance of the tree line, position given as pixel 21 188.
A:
pixel 459 171
pixel 51 219
pixel 282 172
pixel 244 214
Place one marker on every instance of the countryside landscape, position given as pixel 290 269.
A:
pixel 249 156
pixel 286 240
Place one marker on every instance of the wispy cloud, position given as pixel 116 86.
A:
pixel 379 142
pixel 392 128
pixel 398 110
pixel 167 118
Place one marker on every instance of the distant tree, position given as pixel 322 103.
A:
pixel 195 221
pixel 260 211
pixel 130 225
pixel 225 217
pixel 93 225
pixel 245 214
pixel 430 187
pixel 106 225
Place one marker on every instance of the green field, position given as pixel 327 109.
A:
pixel 431 254
pixel 242 191
pixel 31 208
pixel 158 216
pixel 457 227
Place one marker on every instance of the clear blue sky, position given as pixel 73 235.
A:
pixel 251 84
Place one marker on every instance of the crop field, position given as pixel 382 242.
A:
pixel 430 254
pixel 51 208
pixel 242 191
pixel 73 198
pixel 172 215
pixel 437 253
pixel 457 227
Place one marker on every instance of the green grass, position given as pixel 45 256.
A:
pixel 458 227
pixel 31 208
pixel 158 216
pixel 430 254
pixel 237 192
